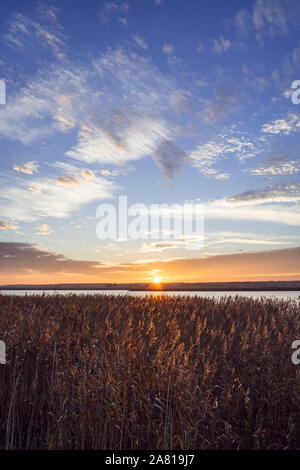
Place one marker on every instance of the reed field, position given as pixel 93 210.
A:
pixel 153 372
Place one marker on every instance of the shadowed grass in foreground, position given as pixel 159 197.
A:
pixel 105 372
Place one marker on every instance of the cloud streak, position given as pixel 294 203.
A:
pixel 4 225
pixel 51 197
pixel 284 126
pixel 29 168
pixel 21 262
pixel 26 34
pixel 221 45
pixel 266 18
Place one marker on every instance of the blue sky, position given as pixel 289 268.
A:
pixel 162 101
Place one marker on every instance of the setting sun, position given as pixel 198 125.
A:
pixel 156 280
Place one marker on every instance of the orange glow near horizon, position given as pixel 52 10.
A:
pixel 275 265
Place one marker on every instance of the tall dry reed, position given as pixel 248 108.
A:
pixel 106 372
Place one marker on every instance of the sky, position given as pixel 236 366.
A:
pixel 164 102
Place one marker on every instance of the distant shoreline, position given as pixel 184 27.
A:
pixel 178 286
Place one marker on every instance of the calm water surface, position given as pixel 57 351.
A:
pixel 257 294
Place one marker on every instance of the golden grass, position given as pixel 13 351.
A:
pixel 105 372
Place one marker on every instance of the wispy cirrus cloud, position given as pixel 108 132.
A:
pixel 164 245
pixel 61 100
pixel 278 204
pixel 116 172
pixel 226 102
pixel 51 196
pixel 26 34
pixel 112 9
pixel 266 17
pixel 237 238
pixel 133 141
pixel 268 213
pixel 280 193
pixel 4 225
pixel 75 179
pixel 288 168
pixel 296 55
pixel 43 229
pixel 269 16
pixel 130 126
pixel 28 168
pixel 229 143
pixel 181 100
pixel 221 45
pixel 284 126
pixel 141 42
pixel 49 104
pixel 242 20
pixel 169 49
